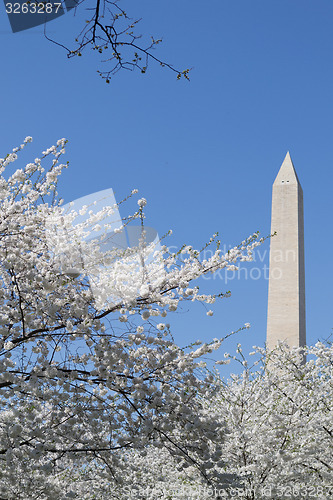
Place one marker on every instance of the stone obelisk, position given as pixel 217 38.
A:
pixel 286 291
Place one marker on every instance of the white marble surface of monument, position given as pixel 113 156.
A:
pixel 286 293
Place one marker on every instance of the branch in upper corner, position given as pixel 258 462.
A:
pixel 111 32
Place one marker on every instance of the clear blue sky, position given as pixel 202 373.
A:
pixel 204 153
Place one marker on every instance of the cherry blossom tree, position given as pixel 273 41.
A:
pixel 90 374
pixel 279 436
pixel 277 441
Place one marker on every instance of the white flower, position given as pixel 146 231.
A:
pixel 247 325
pixel 160 326
pixel 142 202
pixel 145 315
pixel 8 345
pixel 72 273
pixel 144 290
pixel 172 307
pixel 210 313
pixel 140 329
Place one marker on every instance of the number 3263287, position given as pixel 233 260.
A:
pixel 32 8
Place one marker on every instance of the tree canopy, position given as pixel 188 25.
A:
pixel 88 373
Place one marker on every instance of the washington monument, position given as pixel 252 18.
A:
pixel 286 291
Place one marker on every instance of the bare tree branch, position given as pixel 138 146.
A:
pixel 110 31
